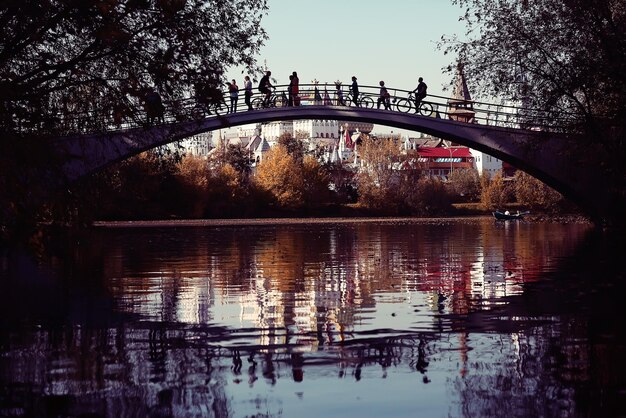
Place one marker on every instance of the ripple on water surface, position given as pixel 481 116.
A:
pixel 443 318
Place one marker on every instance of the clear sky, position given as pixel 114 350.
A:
pixel 390 40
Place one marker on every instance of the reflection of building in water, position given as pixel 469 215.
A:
pixel 316 293
pixel 490 279
pixel 313 288
pixel 313 300
pixel 265 309
pixel 319 314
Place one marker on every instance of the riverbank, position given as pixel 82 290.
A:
pixel 561 219
pixel 278 221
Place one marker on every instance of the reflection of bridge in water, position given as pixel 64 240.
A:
pixel 531 140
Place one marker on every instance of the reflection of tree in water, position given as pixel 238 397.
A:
pixel 112 372
pixel 173 370
pixel 315 278
pixel 537 373
pixel 563 343
pixel 313 287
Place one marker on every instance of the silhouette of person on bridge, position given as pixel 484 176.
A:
pixel 209 97
pixel 290 91
pixel 355 91
pixel 247 86
pixel 265 87
pixel 233 91
pixel 154 107
pixel 295 89
pixel 383 97
pixel 339 93
pixel 420 93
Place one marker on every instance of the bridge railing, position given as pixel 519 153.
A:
pixel 326 94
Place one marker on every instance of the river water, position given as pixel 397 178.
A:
pixel 335 318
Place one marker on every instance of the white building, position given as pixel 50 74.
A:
pixel 273 130
pixel 256 148
pixel 249 131
pixel 486 163
pixel 316 128
pixel 197 145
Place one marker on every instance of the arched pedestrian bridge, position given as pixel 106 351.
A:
pixel 527 139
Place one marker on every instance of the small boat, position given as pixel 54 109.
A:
pixel 506 216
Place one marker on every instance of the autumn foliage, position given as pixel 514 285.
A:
pixel 392 182
pixel 280 174
pixel 534 194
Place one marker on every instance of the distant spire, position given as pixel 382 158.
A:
pixel 460 91
pixel 460 105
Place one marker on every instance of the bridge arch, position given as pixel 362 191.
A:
pixel 544 155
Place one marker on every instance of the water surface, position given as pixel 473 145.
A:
pixel 460 318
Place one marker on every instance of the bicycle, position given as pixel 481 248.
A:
pixel 405 105
pixel 205 109
pixel 276 100
pixel 363 101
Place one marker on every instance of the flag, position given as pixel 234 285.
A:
pixel 349 143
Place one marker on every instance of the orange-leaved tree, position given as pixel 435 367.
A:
pixel 280 175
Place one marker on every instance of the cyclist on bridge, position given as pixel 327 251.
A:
pixel 265 87
pixel 420 93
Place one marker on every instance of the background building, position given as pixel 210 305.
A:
pixel 485 163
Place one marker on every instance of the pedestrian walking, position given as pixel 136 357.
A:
pixel 247 86
pixel 383 97
pixel 317 97
pixel 153 106
pixel 295 89
pixel 290 92
pixel 355 91
pixel 233 90
pixel 339 93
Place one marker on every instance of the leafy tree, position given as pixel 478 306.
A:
pixel 281 175
pixel 566 57
pixel 83 64
pixel 393 182
pixel 194 177
pixel 315 182
pixel 379 177
pixel 61 58
pixel 293 145
pixel 534 194
pixel 495 192
pixel 342 182
pixel 139 187
pixel 427 196
pixel 465 182
pixel 235 156
pixel 570 54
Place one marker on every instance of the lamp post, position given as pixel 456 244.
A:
pixel 451 151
